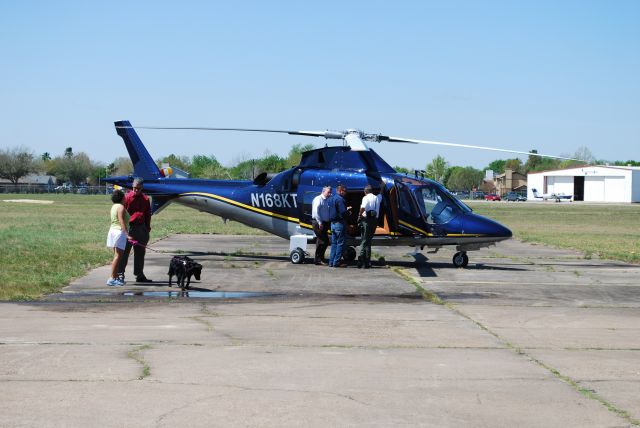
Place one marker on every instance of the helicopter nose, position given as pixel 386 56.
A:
pixel 477 224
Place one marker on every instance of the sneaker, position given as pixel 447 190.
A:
pixel 111 282
pixel 143 278
pixel 118 283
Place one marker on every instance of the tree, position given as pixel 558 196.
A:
pixel 244 170
pixel 437 169
pixel 200 163
pixel 620 163
pixel 538 163
pixel 76 169
pixel 271 163
pixel 584 155
pixel 500 165
pixel 497 166
pixel 216 171
pixel 514 165
pixel 208 167
pixel 109 169
pixel 120 166
pixel 402 170
pixel 46 156
pixel 466 178
pixel 68 153
pixel 180 162
pixel 295 154
pixel 16 163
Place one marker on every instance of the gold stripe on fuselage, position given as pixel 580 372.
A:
pixel 245 206
pixel 417 229
pixel 297 220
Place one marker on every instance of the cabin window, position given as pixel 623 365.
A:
pixel 437 206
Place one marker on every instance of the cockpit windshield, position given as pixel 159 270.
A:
pixel 438 205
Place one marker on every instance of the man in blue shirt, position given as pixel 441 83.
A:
pixel 338 226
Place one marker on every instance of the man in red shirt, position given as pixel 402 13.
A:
pixel 139 207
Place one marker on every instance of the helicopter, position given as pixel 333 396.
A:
pixel 415 211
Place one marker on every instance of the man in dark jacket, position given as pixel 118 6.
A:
pixel 139 208
pixel 338 227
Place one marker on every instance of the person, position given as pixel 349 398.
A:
pixel 139 207
pixel 368 219
pixel 321 215
pixel 338 225
pixel 117 235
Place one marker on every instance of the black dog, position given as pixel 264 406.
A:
pixel 184 268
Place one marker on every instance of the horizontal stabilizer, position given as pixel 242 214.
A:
pixel 158 203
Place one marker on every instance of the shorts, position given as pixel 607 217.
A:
pixel 116 238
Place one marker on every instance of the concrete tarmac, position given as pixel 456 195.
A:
pixel 525 336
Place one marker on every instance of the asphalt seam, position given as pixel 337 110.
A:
pixel 135 354
pixel 588 393
pixel 259 345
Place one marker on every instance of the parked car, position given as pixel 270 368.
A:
pixel 461 194
pixel 63 188
pixel 477 195
pixel 515 197
pixel 492 197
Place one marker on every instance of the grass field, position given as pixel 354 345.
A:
pixel 46 246
pixel 609 231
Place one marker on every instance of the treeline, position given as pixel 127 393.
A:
pixel 200 166
pixel 78 168
pixel 469 178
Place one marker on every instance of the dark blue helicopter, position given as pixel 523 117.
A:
pixel 416 211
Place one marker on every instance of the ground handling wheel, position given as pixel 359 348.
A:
pixel 460 259
pixel 297 256
pixel 349 254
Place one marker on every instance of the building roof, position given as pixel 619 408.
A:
pixel 616 167
pixel 34 179
pixel 504 174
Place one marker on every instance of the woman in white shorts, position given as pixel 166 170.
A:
pixel 118 234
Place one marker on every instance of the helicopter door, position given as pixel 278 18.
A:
pixel 391 211
pixel 388 218
pixel 405 201
pixel 406 204
pixel 305 207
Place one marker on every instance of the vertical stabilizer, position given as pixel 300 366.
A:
pixel 143 164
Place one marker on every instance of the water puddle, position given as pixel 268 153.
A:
pixel 199 294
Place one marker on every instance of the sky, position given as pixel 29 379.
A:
pixel 547 75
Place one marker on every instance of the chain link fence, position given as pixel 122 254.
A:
pixel 46 188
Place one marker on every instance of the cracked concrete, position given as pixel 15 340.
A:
pixel 514 343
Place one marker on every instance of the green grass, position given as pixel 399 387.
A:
pixel 46 246
pixel 608 231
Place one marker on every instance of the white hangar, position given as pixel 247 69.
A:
pixel 589 183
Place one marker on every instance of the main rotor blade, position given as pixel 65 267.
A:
pixel 441 143
pixel 325 134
